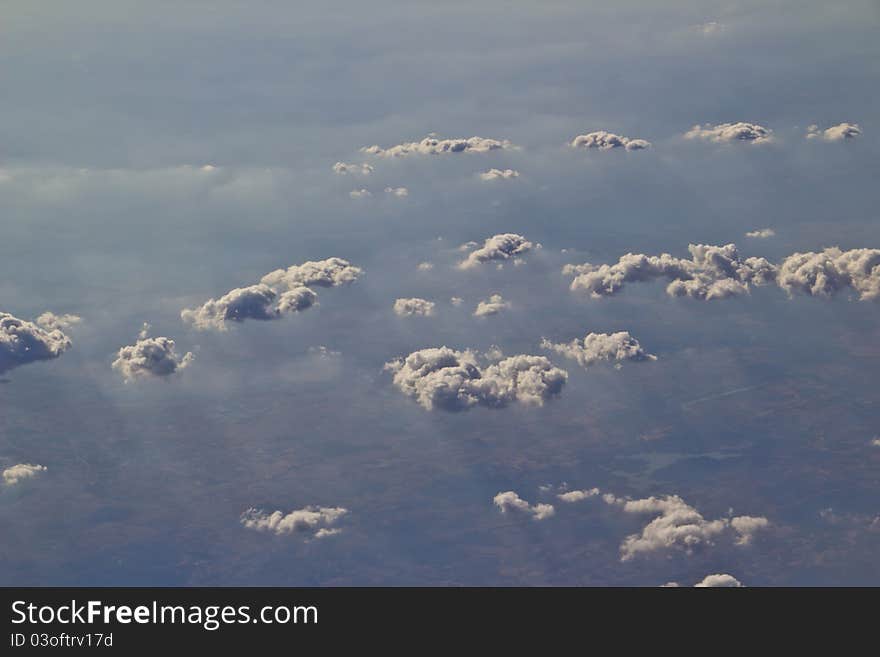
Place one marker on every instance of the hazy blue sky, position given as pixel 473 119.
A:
pixel 761 403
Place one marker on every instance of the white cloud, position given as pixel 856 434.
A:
pixel 255 302
pixel 720 580
pixel 746 526
pixel 606 141
pixel 331 272
pixel 498 247
pixel 598 347
pixel 413 306
pixel 839 132
pixel 510 501
pixel 443 378
pixel 825 273
pixel 21 471
pixel 342 168
pixel 713 272
pixel 456 301
pixel 23 342
pixel 399 192
pixel 578 495
pixel 316 520
pixel 499 174
pixel 52 322
pixel 731 132
pixel 761 233
pixel 425 266
pixel 150 357
pixel 431 145
pixel 711 27
pixel 360 193
pixel 491 306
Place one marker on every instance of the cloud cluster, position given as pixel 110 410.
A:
pixel 827 272
pixel 510 501
pixel 679 525
pixel 414 306
pixel 839 132
pixel 761 233
pixel 431 145
pixel 317 520
pixel 499 248
pixel 150 357
pixel 491 306
pixel 443 378
pixel 730 132
pixel 254 302
pixel 499 174
pixel 331 272
pixel 712 272
pixel 21 471
pixel 342 168
pixel 23 342
pixel 52 322
pixel 606 141
pixel 599 347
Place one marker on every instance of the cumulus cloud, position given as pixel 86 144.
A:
pixel 52 322
pixel 21 471
pixel 712 272
pixel 456 301
pixel 399 192
pixel 150 357
pixel 413 306
pixel 499 174
pixel 599 347
pixel 825 273
pixel 331 272
pixel 724 133
pixel 425 266
pixel 443 378
pixel 360 193
pixel 509 501
pixel 606 141
pixel 431 145
pixel 761 233
pixel 719 580
pixel 746 527
pixel 499 248
pixel 255 302
pixel 23 342
pixel 342 168
pixel 839 132
pixel 578 495
pixel 491 306
pixel 316 520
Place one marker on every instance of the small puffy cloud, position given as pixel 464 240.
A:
pixel 150 357
pixel 399 192
pixel 825 273
pixel 52 322
pixel 599 347
pixel 431 145
pixel 839 132
pixel 331 272
pixel 491 306
pixel 360 193
pixel 443 378
pixel 509 501
pixel 499 248
pixel 342 168
pixel 324 352
pixel 721 580
pixel 316 520
pixel 21 471
pixel 726 133
pixel 711 27
pixel 606 141
pixel 678 525
pixel 255 302
pixel 456 301
pixel 413 306
pixel 578 495
pixel 712 272
pixel 23 342
pixel 499 174
pixel 875 442
pixel 761 233
pixel 425 266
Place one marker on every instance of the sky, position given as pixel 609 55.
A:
pixel 719 416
